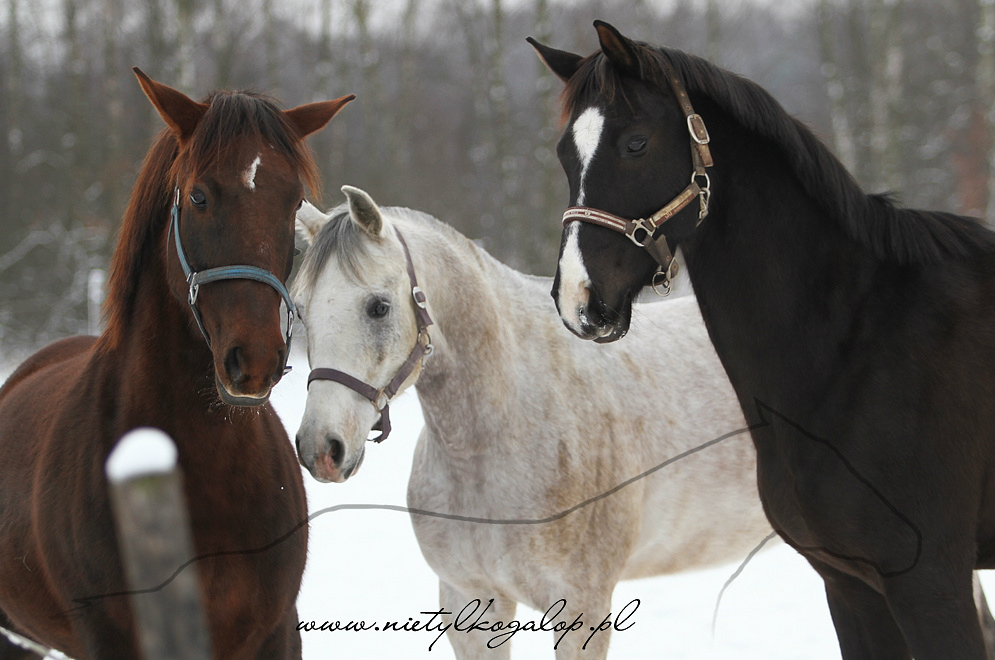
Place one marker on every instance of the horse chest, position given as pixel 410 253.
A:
pixel 834 508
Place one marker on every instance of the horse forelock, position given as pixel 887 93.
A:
pixel 233 116
pixel 888 231
pixel 339 237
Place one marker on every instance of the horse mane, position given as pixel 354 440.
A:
pixel 230 116
pixel 908 236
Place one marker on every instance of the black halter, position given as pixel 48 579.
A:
pixel 380 398
pixel 237 272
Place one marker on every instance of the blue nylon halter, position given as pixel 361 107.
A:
pixel 236 272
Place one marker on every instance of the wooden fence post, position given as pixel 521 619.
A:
pixel 153 533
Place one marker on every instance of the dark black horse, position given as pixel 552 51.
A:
pixel 859 336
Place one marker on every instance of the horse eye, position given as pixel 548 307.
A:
pixel 198 199
pixel 378 308
pixel 636 146
pixel 299 205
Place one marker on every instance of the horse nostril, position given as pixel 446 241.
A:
pixel 233 364
pixel 336 451
pixel 281 366
pixel 297 443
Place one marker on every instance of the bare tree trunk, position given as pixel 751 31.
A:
pixel 223 46
pixel 367 153
pixel 324 69
pixel 887 67
pixel 13 128
pixel 272 49
pixel 547 205
pixel 504 196
pixel 713 32
pixel 115 191
pixel 187 47
pixel 400 137
pixel 155 47
pixel 985 77
pixel 75 104
pixel 842 132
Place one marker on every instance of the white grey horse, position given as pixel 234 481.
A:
pixel 546 481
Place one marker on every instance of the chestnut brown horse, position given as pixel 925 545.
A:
pixel 216 196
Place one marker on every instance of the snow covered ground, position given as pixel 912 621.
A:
pixel 365 565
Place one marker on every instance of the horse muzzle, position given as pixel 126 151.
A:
pixel 595 321
pixel 330 462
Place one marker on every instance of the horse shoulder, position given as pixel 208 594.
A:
pixel 50 355
pixel 29 417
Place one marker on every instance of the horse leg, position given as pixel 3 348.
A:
pixel 473 645
pixel 864 625
pixel 285 642
pixel 985 617
pixel 938 615
pixel 9 650
pixel 587 621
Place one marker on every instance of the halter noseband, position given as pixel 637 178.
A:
pixel 380 398
pixel 238 272
pixel 642 231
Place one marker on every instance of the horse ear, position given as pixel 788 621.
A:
pixel 619 50
pixel 309 222
pixel 311 117
pixel 178 110
pixel 364 211
pixel 560 62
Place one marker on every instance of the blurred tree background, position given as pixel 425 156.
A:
pixel 455 115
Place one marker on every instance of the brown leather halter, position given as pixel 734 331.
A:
pixel 380 398
pixel 643 231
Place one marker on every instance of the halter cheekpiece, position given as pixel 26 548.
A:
pixel 237 272
pixel 380 397
pixel 642 231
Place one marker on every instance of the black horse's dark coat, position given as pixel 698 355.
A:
pixel 858 335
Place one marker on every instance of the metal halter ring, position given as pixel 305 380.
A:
pixel 634 226
pixel 662 279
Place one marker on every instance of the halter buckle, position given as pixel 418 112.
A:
pixel 696 127
pixel 381 396
pixel 419 296
pixel 194 291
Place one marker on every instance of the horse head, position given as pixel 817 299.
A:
pixel 354 295
pixel 238 176
pixel 625 151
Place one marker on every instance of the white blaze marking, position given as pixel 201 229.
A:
pixel 574 292
pixel 587 135
pixel 249 176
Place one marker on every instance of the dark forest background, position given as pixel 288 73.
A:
pixel 455 115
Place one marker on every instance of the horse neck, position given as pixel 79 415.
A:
pixel 488 319
pixel 156 354
pixel 776 277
